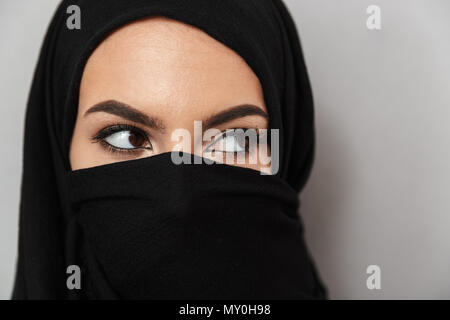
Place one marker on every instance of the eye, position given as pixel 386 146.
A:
pixel 229 141
pixel 126 140
pixel 124 137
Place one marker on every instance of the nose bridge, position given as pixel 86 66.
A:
pixel 184 135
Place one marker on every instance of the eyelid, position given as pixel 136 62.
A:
pixel 218 138
pixel 112 149
pixel 114 128
pixel 228 132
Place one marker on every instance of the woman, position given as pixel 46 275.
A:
pixel 116 180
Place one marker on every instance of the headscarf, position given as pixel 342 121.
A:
pixel 148 228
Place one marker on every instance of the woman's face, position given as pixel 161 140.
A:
pixel 155 76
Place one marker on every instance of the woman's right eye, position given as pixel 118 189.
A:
pixel 126 140
pixel 124 137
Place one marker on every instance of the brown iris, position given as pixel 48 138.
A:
pixel 136 139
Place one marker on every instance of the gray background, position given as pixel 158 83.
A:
pixel 379 192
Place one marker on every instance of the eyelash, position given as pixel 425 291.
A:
pixel 107 131
pixel 224 135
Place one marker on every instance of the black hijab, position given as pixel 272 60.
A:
pixel 148 228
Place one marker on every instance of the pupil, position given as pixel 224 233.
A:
pixel 136 139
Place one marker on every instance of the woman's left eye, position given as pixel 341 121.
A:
pixel 228 142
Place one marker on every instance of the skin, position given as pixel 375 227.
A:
pixel 172 74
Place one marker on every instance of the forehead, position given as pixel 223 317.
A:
pixel 170 67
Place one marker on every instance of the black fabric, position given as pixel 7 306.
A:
pixel 148 228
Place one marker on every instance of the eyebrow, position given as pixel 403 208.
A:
pixel 234 113
pixel 127 112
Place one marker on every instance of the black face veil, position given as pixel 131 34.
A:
pixel 149 228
